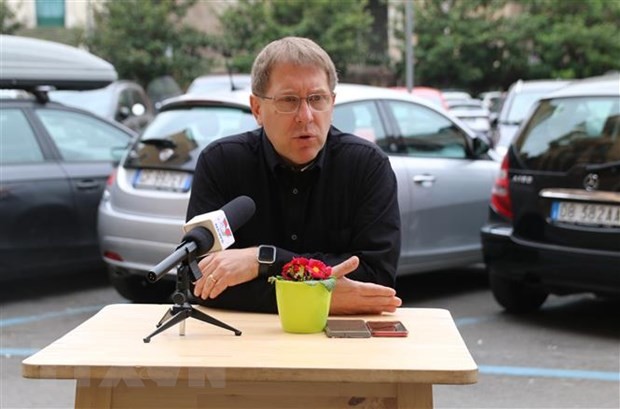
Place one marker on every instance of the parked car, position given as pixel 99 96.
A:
pixel 472 113
pixel 54 160
pixel 219 82
pixel 492 101
pixel 521 97
pixel 433 95
pixel 445 173
pixel 123 101
pixel 554 220
pixel 449 94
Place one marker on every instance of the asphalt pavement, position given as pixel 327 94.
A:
pixel 565 356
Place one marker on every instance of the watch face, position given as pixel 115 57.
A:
pixel 266 254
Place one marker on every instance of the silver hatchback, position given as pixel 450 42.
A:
pixel 444 173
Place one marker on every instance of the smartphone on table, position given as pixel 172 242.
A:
pixel 347 328
pixel 387 329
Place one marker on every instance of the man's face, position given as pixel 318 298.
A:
pixel 297 136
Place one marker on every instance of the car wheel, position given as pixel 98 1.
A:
pixel 137 289
pixel 515 296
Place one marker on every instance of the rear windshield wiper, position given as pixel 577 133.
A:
pixel 159 143
pixel 603 166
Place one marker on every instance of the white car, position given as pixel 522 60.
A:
pixel 472 113
pixel 444 171
pixel 520 99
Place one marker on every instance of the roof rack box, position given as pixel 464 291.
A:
pixel 28 63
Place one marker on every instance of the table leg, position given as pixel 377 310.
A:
pixel 90 395
pixel 414 396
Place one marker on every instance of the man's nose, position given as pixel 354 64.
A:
pixel 304 112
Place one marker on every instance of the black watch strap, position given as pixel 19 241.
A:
pixel 263 269
pixel 266 256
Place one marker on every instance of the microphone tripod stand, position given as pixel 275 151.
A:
pixel 182 309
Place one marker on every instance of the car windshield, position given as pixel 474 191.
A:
pixel 205 85
pixel 96 101
pixel 521 105
pixel 186 131
pixel 567 132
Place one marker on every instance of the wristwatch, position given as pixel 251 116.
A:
pixel 266 256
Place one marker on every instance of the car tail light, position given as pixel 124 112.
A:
pixel 111 178
pixel 112 255
pixel 500 195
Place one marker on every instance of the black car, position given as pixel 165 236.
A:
pixel 54 160
pixel 54 163
pixel 554 222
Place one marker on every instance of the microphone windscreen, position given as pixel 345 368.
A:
pixel 202 237
pixel 238 211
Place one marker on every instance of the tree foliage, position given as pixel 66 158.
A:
pixel 8 21
pixel 342 28
pixel 572 39
pixel 489 44
pixel 146 39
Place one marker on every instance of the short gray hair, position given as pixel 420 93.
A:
pixel 295 50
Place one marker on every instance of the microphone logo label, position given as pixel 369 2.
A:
pixel 217 224
pixel 222 229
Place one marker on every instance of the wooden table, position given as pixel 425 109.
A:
pixel 210 367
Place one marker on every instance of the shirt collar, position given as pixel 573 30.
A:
pixel 274 160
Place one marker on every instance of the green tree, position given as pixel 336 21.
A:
pixel 489 44
pixel 342 28
pixel 8 22
pixel 146 39
pixel 571 39
pixel 458 43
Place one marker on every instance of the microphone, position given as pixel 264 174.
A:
pixel 208 232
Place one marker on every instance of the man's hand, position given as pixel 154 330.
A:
pixel 356 297
pixel 224 269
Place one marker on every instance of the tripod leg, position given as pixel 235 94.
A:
pixel 166 317
pixel 178 317
pixel 199 315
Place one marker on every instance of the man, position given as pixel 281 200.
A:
pixel 319 193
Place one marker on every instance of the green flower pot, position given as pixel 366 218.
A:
pixel 303 307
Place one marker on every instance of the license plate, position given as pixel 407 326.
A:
pixel 163 180
pixel 586 213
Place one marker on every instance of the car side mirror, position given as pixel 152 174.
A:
pixel 123 113
pixel 480 146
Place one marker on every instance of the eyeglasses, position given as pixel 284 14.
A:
pixel 287 104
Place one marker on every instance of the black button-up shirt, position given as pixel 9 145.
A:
pixel 343 204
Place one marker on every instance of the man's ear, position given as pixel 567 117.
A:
pixel 255 104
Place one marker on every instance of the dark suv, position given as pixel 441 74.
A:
pixel 554 222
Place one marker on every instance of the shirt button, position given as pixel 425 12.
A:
pixel 293 237
pixel 295 191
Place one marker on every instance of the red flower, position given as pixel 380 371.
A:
pixel 303 269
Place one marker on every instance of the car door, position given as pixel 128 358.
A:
pixel 447 188
pixel 37 209
pixel 89 148
pixel 363 118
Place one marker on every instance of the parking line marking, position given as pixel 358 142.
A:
pixel 548 373
pixel 470 320
pixel 17 352
pixel 39 317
